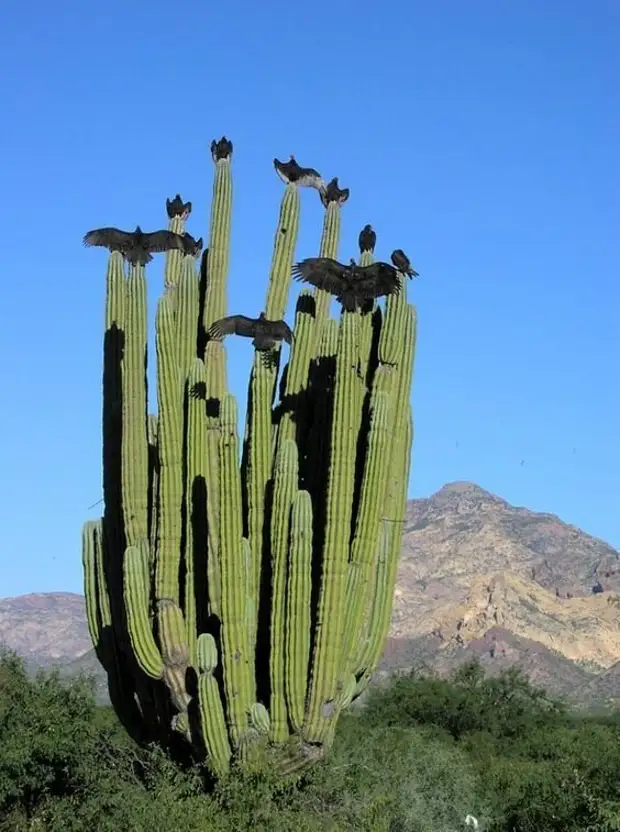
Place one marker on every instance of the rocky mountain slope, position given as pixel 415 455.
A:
pixel 478 577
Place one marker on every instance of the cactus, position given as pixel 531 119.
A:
pixel 238 604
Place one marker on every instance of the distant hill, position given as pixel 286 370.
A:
pixel 477 577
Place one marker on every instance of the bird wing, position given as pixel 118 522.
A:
pixel 280 329
pixel 376 280
pixel 310 178
pixel 163 241
pixel 233 325
pixel 324 273
pixel 107 237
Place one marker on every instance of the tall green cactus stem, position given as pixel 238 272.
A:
pixel 390 346
pixel 328 644
pixel 219 243
pixel 135 454
pixel 97 606
pixel 215 374
pixel 298 598
pixel 151 430
pixel 238 682
pixel 174 651
pixel 329 248
pixel 366 329
pixel 172 573
pixel 366 538
pixel 394 502
pixel 283 253
pixel 170 450
pixel 212 716
pixel 196 560
pixel 259 457
pixel 264 377
pixel 136 567
pixel 284 491
pixel 174 257
pixel 321 382
pixel 187 315
pixel 298 370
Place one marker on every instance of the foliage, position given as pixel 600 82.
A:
pixel 421 755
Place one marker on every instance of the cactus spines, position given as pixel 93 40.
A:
pixel 239 608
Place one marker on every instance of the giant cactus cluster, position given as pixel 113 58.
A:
pixel 239 597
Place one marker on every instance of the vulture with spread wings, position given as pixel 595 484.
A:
pixel 401 261
pixel 135 246
pixel 352 285
pixel 265 333
pixel 292 171
pixel 191 246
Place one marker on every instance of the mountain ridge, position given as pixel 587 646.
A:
pixel 477 577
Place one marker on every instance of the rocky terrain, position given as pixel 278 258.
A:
pixel 478 577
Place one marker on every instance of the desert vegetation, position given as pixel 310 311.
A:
pixel 419 755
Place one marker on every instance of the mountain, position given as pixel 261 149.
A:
pixel 477 577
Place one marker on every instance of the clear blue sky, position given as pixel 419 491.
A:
pixel 482 137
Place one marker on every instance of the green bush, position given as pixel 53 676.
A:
pixel 421 756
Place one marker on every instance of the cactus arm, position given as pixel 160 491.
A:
pixel 174 257
pixel 284 491
pixel 238 675
pixel 299 590
pixel 283 253
pixel 328 644
pixel 211 709
pixel 377 619
pixel 264 377
pixel 170 455
pixel 137 585
pixel 292 421
pixel 219 242
pixel 201 575
pixel 96 598
pixel 329 248
pixel 187 314
pixel 366 536
pixel 134 442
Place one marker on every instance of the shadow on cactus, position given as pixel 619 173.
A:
pixel 239 608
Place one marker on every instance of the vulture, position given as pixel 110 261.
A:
pixel 401 261
pixel 191 246
pixel 352 285
pixel 265 333
pixel 177 208
pixel 222 149
pixel 291 171
pixel 333 193
pixel 367 239
pixel 135 246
